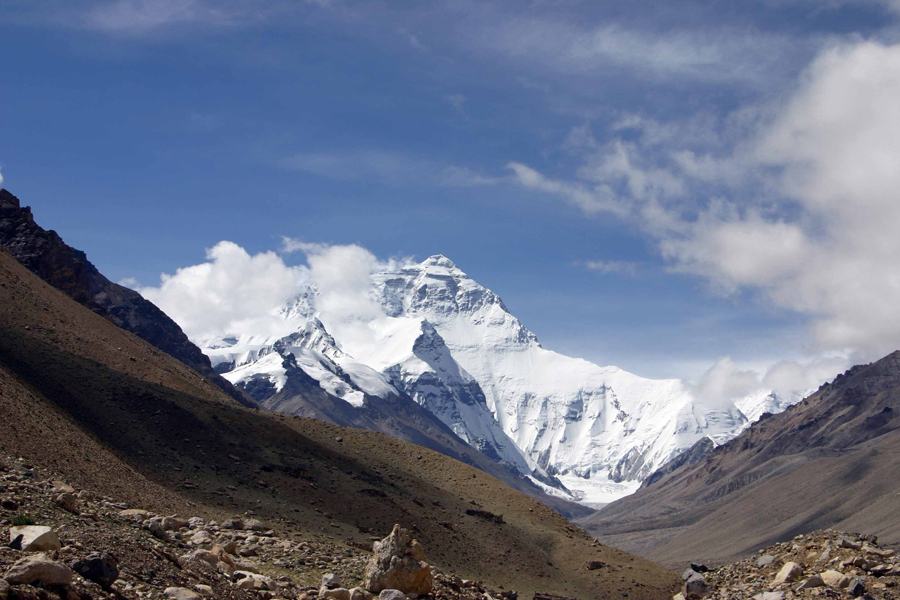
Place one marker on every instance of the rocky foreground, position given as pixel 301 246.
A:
pixel 70 544
pixel 823 564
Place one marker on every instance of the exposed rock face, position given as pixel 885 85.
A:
pixel 398 563
pixel 39 569
pixel 69 270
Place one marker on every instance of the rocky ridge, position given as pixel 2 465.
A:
pixel 46 254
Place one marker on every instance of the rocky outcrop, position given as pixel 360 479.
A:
pixel 398 563
pixel 67 269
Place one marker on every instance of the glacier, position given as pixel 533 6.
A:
pixel 581 431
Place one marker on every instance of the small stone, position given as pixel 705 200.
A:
pixel 789 573
pixel 4 589
pixel 391 595
pixel 135 514
pixel 181 593
pixel 331 581
pixel 204 590
pixel 38 568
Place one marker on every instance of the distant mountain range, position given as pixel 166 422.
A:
pixel 580 431
pixel 828 461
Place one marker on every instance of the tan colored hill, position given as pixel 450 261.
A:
pixel 831 461
pixel 115 415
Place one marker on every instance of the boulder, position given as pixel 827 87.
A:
pixel 102 569
pixel 135 514
pixel 391 595
pixel 202 538
pixel 233 524
pixel 696 587
pixel 848 543
pixel 789 573
pixel 181 593
pixel 813 582
pixel 204 590
pixel 856 587
pixel 358 593
pixel 207 556
pixel 398 563
pixel 4 589
pixel 831 577
pixel 173 523
pixel 335 593
pixel 35 538
pixel 769 596
pixel 68 502
pixel 254 525
pixel 37 568
pixel 764 561
pixel 253 581
pixel 331 581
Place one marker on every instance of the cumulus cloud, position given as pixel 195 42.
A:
pixel 236 293
pixel 233 292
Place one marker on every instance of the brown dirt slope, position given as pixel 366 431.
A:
pixel 831 461
pixel 69 270
pixel 114 414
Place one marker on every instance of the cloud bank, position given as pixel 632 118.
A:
pixel 802 206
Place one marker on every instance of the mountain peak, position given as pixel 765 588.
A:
pixel 439 260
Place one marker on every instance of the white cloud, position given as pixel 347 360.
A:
pixel 609 267
pixel 802 208
pixel 715 55
pixel 232 293
pixel 726 381
pixel 129 282
pixel 235 293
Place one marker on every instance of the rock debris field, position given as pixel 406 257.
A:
pixel 822 564
pixel 70 544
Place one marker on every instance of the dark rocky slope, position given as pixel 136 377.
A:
pixel 833 460
pixel 67 269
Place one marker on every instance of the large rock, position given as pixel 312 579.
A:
pixel 696 587
pixel 832 577
pixel 99 568
pixel 789 573
pixel 391 595
pixel 35 538
pixel 182 593
pixel 4 586
pixel 360 594
pixel 398 563
pixel 813 582
pixel 39 569
pixel 335 593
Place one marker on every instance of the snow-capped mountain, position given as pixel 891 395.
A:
pixel 579 429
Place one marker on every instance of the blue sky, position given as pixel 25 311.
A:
pixel 654 185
